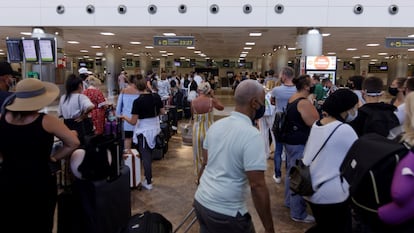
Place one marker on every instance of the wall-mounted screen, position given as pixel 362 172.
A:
pixel 29 50
pixel 46 48
pixel 14 51
pixel 321 63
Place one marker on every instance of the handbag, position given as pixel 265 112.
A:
pixel 300 181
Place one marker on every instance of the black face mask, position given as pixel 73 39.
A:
pixel 312 89
pixel 260 112
pixel 393 91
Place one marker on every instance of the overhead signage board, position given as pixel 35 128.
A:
pixel 399 42
pixel 321 63
pixel 174 41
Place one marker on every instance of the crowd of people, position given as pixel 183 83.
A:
pixel 229 154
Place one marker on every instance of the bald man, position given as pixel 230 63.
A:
pixel 233 158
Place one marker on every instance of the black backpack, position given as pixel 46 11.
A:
pixel 369 168
pixel 280 125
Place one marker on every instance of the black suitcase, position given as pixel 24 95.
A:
pixel 148 222
pixel 95 206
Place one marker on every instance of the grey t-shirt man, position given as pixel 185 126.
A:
pixel 282 94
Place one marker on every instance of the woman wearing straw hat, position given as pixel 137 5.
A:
pixel 28 189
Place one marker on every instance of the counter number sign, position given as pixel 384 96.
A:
pixel 174 41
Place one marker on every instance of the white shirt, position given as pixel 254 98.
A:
pixel 74 106
pixel 325 168
pixel 198 79
pixel 234 147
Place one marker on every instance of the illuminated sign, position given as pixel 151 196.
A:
pixel 174 40
pixel 29 49
pixel 321 63
pixel 399 42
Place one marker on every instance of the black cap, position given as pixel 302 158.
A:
pixel 5 69
pixel 340 101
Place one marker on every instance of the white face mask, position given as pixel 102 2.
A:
pixel 350 117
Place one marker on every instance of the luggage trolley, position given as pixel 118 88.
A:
pixel 186 218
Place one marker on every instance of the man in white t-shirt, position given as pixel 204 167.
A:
pixel 233 159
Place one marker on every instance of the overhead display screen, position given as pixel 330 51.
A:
pixel 29 50
pixel 14 52
pixel 46 50
pixel 321 63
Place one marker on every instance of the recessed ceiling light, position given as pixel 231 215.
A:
pixel 410 50
pixel 331 53
pixel 99 54
pixel 203 55
pixel 182 58
pixel 374 59
pixel 157 59
pixel 243 55
pixel 351 49
pixel 191 47
pixel 247 48
pixel 136 55
pixel 73 42
pixel 123 59
pixel 338 59
pixel 164 55
pixel 135 42
pixel 373 45
pixel 95 46
pixel 372 62
pixel 366 55
pixel 198 51
pixel 291 49
pixel 86 56
pixel 326 34
pixel 387 57
pixel 382 54
pixel 411 35
pixel 149 47
pixel 83 51
pixel 245 52
pixel 26 33
pixel 255 34
pixel 250 43
pixel 169 34
pixel 107 33
pixel 356 57
pixel 2 54
pixel 206 58
pixel 1 50
pixel 163 51
pixel 129 53
pixel 170 54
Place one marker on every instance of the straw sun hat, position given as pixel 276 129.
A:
pixel 32 94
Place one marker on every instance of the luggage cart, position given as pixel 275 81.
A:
pixel 186 218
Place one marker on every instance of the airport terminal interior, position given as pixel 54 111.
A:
pixel 174 183
pixel 331 39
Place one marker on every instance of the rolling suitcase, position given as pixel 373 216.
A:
pixel 102 206
pixel 148 222
pixel 133 161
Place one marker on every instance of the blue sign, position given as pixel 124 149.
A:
pixel 174 41
pixel 399 42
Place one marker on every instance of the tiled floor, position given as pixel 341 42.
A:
pixel 174 186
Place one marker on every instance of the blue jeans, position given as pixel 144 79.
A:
pixel 277 158
pixel 295 202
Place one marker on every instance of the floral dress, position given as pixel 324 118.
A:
pixel 98 113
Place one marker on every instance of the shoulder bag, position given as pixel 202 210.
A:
pixel 300 181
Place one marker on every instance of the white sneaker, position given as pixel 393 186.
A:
pixel 277 179
pixel 145 185
pixel 307 219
